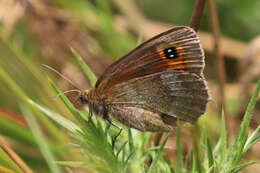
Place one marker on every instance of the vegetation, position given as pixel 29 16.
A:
pixel 39 134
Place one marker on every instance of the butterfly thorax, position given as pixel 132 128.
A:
pixel 95 104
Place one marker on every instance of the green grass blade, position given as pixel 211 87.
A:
pixel 17 90
pixel 41 141
pixel 9 128
pixel 121 148
pixel 223 140
pixel 144 140
pixel 193 163
pixel 197 158
pixel 153 148
pixel 252 140
pixel 92 77
pixel 66 123
pixel 7 162
pixel 77 115
pixel 244 128
pixel 128 158
pixel 196 150
pixel 157 156
pixel 130 141
pixel 240 167
pixel 210 157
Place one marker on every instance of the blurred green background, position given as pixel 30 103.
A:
pixel 35 32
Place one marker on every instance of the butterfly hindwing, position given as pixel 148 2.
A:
pixel 177 94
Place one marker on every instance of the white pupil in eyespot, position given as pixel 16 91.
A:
pixel 170 52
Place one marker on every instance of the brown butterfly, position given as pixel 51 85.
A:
pixel 155 84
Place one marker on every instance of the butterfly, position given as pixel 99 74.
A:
pixel 154 85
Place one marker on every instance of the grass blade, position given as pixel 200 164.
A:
pixel 41 141
pixel 238 168
pixel 121 148
pixel 244 128
pixel 6 163
pixel 157 156
pixel 92 77
pixel 252 140
pixel 210 157
pixel 130 141
pixel 223 140
pixel 77 115
pixel 179 149
pixel 66 123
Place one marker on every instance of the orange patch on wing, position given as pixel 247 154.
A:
pixel 180 51
pixel 174 63
pixel 171 67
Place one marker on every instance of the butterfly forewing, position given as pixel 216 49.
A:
pixel 149 57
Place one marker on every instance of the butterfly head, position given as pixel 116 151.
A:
pixel 84 96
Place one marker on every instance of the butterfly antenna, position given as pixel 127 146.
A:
pixel 57 96
pixel 61 75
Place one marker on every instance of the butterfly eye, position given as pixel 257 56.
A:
pixel 170 53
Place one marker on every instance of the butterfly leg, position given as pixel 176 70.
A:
pixel 106 117
pixel 120 130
